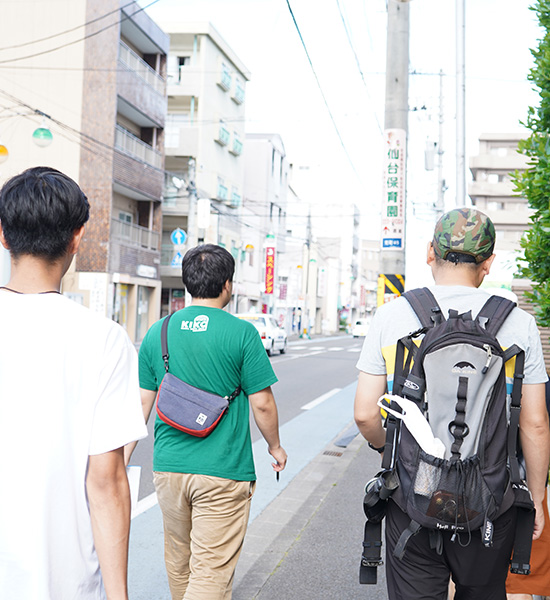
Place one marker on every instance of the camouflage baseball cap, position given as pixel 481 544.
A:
pixel 464 235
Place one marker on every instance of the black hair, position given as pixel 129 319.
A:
pixel 40 209
pixel 205 269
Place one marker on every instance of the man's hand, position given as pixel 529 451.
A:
pixel 265 413
pixel 280 456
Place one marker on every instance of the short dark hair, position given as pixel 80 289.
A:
pixel 40 209
pixel 205 269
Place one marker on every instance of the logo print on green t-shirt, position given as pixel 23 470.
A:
pixel 199 324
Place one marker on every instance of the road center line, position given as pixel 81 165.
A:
pixel 320 399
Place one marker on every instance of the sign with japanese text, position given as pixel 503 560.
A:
pixel 269 269
pixel 393 201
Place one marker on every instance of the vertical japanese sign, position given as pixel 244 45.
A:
pixel 393 201
pixel 269 269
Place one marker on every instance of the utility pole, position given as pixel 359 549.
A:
pixel 440 207
pixel 191 216
pixel 460 103
pixel 392 255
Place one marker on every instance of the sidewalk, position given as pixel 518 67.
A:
pixel 305 533
pixel 306 545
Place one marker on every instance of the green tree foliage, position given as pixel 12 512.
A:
pixel 534 183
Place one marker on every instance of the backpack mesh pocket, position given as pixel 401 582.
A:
pixel 449 494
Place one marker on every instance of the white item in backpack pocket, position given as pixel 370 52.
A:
pixel 416 424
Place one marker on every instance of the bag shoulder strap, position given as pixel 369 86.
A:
pixel 425 306
pixel 164 342
pixel 166 356
pixel 494 312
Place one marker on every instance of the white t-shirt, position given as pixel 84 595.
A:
pixel 68 389
pixel 396 319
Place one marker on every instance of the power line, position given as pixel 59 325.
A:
pixel 126 17
pixel 357 63
pixel 321 91
pixel 49 37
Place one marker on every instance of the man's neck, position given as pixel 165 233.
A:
pixel 32 275
pixel 209 302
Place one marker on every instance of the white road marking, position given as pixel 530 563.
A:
pixel 334 349
pixel 320 399
pixel 354 349
pixel 145 504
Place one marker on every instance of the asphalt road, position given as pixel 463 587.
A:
pixel 309 371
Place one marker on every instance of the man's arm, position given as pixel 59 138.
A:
pixel 265 413
pixel 147 402
pixel 535 443
pixel 109 499
pixel 366 411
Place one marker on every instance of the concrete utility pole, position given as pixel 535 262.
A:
pixel 392 261
pixel 460 103
pixel 192 216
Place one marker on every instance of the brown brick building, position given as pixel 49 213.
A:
pixel 101 84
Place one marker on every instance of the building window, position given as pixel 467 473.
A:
pixel 225 77
pixel 142 322
pixel 235 198
pixel 237 146
pixel 222 190
pixel 238 94
pixel 223 134
pixel 126 219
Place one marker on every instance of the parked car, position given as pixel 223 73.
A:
pixel 273 336
pixel 360 328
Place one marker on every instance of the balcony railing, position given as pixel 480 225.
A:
pixel 132 145
pixel 141 237
pixel 135 63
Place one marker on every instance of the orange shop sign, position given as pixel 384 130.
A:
pixel 269 270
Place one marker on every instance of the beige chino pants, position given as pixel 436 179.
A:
pixel 205 520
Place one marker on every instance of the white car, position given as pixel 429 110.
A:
pixel 273 336
pixel 360 328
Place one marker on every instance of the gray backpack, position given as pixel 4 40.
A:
pixel 454 370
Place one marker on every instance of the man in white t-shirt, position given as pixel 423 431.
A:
pixel 69 400
pixel 460 256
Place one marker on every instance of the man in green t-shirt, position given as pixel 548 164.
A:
pixel 204 485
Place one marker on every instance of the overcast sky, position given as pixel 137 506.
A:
pixel 345 40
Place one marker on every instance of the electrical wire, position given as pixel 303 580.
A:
pixel 126 17
pixel 49 37
pixel 357 63
pixel 322 93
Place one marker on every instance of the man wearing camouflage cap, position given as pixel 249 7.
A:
pixel 460 256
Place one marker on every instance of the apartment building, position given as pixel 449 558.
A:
pixel 204 150
pixel 264 286
pixel 91 78
pixel 492 191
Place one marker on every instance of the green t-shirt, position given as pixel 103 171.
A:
pixel 216 352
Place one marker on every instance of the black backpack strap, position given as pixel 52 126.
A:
pixel 525 523
pixel 425 306
pixel 494 312
pixel 515 409
pixel 164 342
pixel 407 534
pixel 371 558
pixel 525 520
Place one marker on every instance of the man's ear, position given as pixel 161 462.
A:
pixel 486 265
pixel 430 255
pixel 2 238
pixel 75 242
